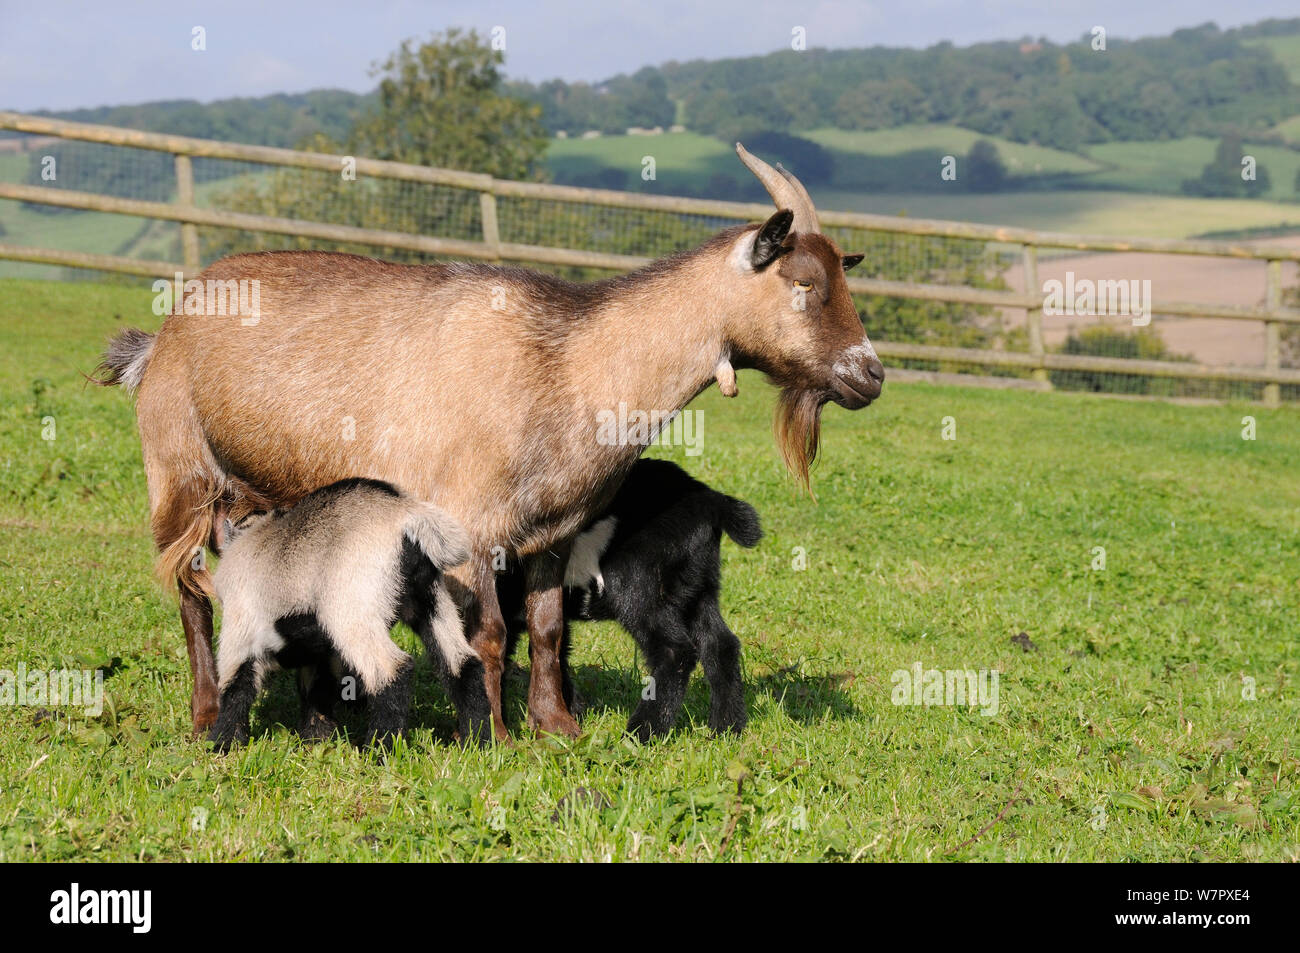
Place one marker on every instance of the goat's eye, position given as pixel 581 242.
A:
pixel 803 285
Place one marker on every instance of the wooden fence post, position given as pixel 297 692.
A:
pixel 1034 315
pixel 491 231
pixel 1273 334
pixel 189 231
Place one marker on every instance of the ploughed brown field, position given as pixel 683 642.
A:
pixel 1227 281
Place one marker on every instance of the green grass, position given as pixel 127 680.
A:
pixel 1125 732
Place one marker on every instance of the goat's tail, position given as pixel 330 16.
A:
pixel 183 524
pixel 439 536
pixel 125 359
pixel 740 520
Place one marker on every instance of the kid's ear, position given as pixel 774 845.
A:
pixel 223 533
pixel 851 260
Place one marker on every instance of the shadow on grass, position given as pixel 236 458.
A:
pixel 804 697
pixel 278 711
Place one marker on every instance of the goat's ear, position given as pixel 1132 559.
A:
pixel 768 242
pixel 851 260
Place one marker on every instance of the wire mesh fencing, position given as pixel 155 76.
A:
pixel 1030 312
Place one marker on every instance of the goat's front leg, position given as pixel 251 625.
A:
pixel 671 656
pixel 544 612
pixel 485 629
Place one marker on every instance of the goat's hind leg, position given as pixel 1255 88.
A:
pixel 720 656
pixel 438 625
pixel 384 671
pixel 318 689
pixel 231 727
pixel 387 707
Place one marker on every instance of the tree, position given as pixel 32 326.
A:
pixel 441 104
pixel 1222 175
pixel 984 169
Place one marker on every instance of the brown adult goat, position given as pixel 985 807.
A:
pixel 476 388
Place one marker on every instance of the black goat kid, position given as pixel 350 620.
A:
pixel 652 563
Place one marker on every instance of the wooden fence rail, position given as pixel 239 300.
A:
pixel 491 248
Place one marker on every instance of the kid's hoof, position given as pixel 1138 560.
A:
pixel 642 731
pixel 732 727
pixel 382 743
pixel 318 727
pixel 225 741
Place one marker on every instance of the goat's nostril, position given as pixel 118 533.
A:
pixel 877 371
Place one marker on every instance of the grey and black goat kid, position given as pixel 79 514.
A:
pixel 652 563
pixel 324 581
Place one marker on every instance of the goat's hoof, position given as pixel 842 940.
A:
pixel 202 719
pixel 643 731
pixel 381 742
pixel 474 735
pixel 225 741
pixel 730 728
pixel 562 725
pixel 317 727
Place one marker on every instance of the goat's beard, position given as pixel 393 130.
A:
pixel 798 428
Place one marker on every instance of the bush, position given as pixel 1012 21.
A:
pixel 984 169
pixel 1143 344
pixel 1221 177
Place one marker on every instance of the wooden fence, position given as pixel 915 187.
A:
pixel 1036 359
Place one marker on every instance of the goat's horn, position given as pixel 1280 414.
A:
pixel 813 225
pixel 785 189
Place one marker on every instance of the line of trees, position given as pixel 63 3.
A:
pixel 1197 81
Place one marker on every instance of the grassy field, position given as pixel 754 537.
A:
pixel 868 168
pixel 683 160
pixel 1137 194
pixel 1289 129
pixel 1162 166
pixel 1148 711
pixel 860 157
pixel 1088 212
pixel 856 153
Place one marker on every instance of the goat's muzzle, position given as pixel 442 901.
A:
pixel 857 380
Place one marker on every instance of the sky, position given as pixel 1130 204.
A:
pixel 65 55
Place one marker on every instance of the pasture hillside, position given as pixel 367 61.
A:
pixel 1285 49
